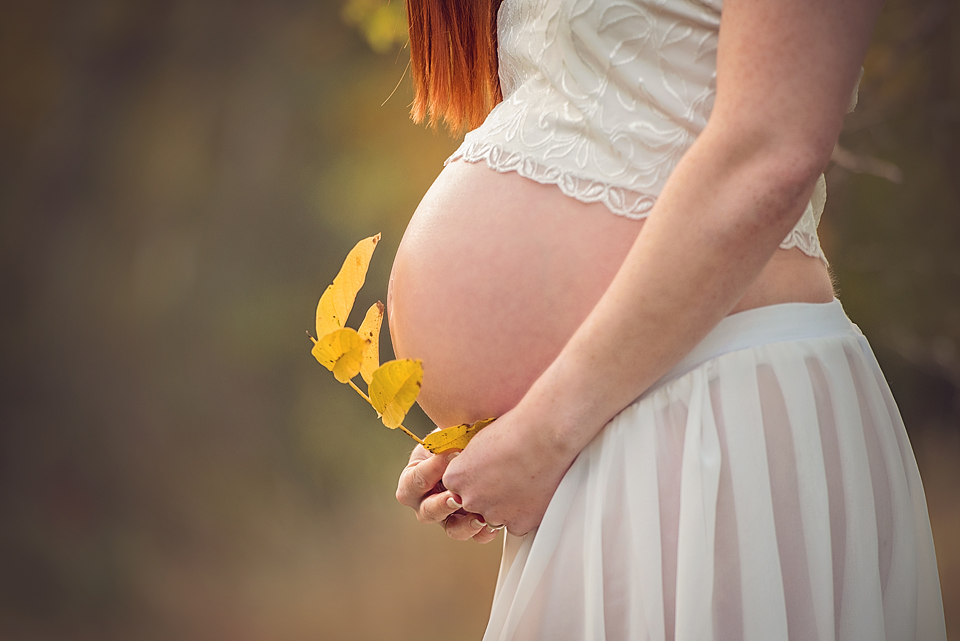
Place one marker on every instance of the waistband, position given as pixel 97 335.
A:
pixel 763 326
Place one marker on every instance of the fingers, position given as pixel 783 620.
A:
pixel 463 527
pixel 485 535
pixel 418 454
pixel 437 507
pixel 420 488
pixel 419 477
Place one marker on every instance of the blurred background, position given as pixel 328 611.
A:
pixel 179 180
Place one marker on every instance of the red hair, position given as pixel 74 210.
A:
pixel 453 58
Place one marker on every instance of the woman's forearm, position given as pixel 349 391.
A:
pixel 724 211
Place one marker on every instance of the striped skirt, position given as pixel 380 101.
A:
pixel 764 490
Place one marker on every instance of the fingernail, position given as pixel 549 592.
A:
pixel 452 456
pixel 475 523
pixel 452 503
pixel 493 529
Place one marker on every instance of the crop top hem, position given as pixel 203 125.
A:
pixel 619 200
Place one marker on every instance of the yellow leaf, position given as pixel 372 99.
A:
pixel 370 330
pixel 337 300
pixel 454 438
pixel 394 388
pixel 341 352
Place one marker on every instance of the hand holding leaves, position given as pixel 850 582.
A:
pixel 393 387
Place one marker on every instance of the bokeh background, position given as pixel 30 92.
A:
pixel 180 179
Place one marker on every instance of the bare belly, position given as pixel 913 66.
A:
pixel 495 273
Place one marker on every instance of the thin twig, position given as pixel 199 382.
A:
pixel 367 399
pixel 863 164
pixel 360 392
pixel 412 435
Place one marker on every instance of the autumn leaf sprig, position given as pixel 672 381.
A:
pixel 392 388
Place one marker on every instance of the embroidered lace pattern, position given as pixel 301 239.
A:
pixel 603 97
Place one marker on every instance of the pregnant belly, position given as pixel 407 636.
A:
pixel 493 275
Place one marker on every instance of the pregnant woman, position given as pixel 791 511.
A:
pixel 621 263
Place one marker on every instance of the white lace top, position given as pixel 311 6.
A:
pixel 603 97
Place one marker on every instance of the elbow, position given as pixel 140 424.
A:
pixel 780 166
pixel 799 144
pixel 799 156
pixel 789 174
pixel 797 164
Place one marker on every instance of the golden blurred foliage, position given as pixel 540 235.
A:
pixel 382 22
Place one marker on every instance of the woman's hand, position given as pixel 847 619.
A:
pixel 419 488
pixel 511 469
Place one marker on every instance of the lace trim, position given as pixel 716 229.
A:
pixel 809 245
pixel 619 200
pixel 804 234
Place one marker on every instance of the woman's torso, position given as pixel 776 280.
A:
pixel 496 270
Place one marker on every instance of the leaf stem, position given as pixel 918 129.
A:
pixel 367 399
pixel 360 392
pixel 412 435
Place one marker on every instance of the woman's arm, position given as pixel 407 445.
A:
pixel 785 72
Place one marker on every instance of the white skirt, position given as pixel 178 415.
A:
pixel 764 490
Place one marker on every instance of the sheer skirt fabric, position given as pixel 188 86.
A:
pixel 765 489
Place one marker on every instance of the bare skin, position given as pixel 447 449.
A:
pixel 564 325
pixel 496 272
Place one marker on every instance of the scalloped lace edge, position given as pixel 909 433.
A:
pixel 619 200
pixel 808 244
